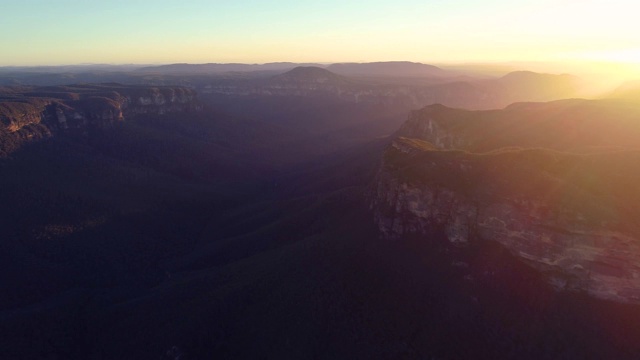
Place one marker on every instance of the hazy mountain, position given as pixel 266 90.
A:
pixel 539 87
pixel 70 69
pixel 471 94
pixel 221 68
pixel 380 86
pixel 388 69
pixel 305 75
pixel 628 91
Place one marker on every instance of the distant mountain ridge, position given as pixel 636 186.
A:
pixel 222 67
pixel 388 69
pixel 415 84
pixel 629 91
pixel 382 68
pixel 539 86
pixel 479 94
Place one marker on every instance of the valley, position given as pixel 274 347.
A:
pixel 382 210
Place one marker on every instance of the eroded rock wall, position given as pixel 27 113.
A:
pixel 575 248
pixel 29 114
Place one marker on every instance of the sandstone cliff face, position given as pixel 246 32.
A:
pixel 14 115
pixel 571 216
pixel 160 101
pixel 28 114
pixel 427 124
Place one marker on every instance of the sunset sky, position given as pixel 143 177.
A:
pixel 46 32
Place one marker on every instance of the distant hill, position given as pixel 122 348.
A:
pixel 221 68
pixel 387 69
pixel 307 75
pixel 69 69
pixel 538 86
pixel 628 91
pixel 401 94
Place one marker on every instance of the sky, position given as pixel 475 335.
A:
pixel 55 32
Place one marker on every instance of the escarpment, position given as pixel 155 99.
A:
pixel 32 113
pixel 574 125
pixel 567 208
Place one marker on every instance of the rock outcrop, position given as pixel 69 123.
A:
pixel 571 215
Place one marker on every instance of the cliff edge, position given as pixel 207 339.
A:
pixel 568 209
pixel 32 113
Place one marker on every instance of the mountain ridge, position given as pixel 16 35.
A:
pixel 388 69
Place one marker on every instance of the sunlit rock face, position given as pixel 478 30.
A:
pixel 159 100
pixel 572 216
pixel 29 113
pixel 15 115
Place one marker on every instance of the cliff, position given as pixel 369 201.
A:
pixel 574 125
pixel 32 113
pixel 570 215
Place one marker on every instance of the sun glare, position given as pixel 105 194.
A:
pixel 627 56
pixel 602 71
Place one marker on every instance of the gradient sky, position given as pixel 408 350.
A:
pixel 52 32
